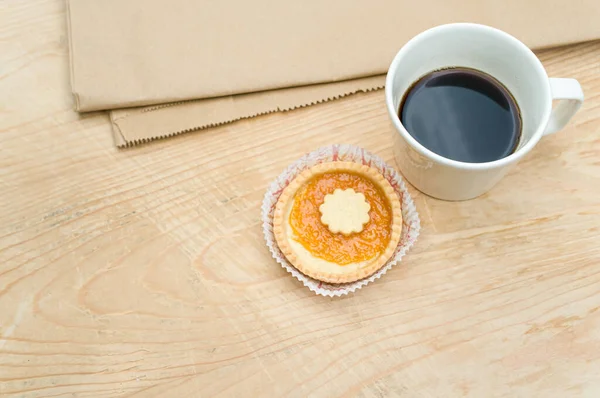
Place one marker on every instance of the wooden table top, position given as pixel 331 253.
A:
pixel 143 272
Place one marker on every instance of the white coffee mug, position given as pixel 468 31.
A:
pixel 504 57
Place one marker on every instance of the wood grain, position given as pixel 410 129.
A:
pixel 143 272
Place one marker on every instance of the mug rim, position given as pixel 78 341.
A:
pixel 456 163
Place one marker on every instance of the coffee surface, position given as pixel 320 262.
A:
pixel 462 114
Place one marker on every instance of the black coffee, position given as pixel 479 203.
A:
pixel 462 114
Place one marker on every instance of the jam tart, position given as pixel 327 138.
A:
pixel 338 222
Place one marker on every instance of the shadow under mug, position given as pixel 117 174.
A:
pixel 504 57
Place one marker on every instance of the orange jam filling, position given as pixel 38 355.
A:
pixel 305 220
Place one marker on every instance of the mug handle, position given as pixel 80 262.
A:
pixel 570 94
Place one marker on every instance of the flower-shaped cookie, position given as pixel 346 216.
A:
pixel 345 211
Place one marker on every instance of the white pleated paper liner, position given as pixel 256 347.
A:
pixel 342 152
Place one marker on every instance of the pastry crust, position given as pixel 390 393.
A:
pixel 321 269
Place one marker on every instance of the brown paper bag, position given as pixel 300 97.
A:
pixel 127 53
pixel 136 125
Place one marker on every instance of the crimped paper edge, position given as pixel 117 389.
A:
pixel 121 141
